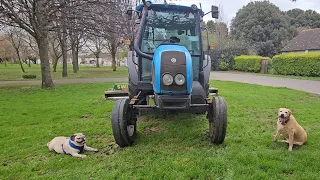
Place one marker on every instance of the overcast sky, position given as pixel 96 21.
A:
pixel 230 7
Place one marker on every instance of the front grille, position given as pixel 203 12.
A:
pixel 173 67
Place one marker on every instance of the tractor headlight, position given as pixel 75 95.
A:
pixel 167 79
pixel 180 79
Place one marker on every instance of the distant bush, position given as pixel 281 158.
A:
pixel 29 76
pixel 247 63
pixel 223 66
pixel 297 64
pixel 225 55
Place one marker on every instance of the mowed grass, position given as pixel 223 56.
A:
pixel 13 72
pixel 168 147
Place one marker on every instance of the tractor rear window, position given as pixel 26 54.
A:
pixel 165 26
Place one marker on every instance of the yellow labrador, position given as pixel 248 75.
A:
pixel 72 146
pixel 288 127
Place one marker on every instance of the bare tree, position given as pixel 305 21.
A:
pixel 55 50
pixel 16 36
pixel 112 46
pixel 95 45
pixel 110 22
pixel 6 49
pixel 35 17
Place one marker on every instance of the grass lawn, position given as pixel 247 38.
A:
pixel 274 75
pixel 174 147
pixel 13 72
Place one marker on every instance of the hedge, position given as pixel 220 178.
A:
pixel 297 64
pixel 247 63
pixel 225 55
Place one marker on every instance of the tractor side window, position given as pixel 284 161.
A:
pixel 146 66
pixel 195 68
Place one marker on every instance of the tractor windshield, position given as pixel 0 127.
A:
pixel 171 26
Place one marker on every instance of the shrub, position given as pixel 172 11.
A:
pixel 297 64
pixel 223 66
pixel 225 55
pixel 247 63
pixel 29 76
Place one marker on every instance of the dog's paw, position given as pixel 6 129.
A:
pixel 96 150
pixel 83 155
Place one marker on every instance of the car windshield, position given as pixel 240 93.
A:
pixel 171 26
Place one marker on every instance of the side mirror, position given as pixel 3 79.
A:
pixel 215 12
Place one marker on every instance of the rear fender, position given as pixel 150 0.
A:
pixel 133 70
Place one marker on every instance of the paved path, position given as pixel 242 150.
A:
pixel 304 85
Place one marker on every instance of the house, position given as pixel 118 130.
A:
pixel 306 41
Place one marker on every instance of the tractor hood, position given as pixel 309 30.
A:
pixel 172 59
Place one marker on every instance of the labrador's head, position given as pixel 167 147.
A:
pixel 284 114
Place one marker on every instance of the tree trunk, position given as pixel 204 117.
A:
pixel 97 58
pixel 43 46
pixel 63 41
pixel 114 63
pixel 75 60
pixel 19 58
pixel 55 63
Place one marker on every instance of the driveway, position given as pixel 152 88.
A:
pixel 304 85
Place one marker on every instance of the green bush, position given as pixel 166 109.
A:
pixel 29 76
pixel 225 55
pixel 247 63
pixel 297 64
pixel 223 66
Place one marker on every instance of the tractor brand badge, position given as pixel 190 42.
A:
pixel 173 60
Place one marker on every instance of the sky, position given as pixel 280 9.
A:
pixel 230 7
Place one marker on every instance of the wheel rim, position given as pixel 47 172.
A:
pixel 130 130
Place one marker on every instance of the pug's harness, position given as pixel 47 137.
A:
pixel 73 146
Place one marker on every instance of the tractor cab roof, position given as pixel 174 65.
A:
pixel 172 7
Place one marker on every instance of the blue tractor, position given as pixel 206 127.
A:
pixel 167 62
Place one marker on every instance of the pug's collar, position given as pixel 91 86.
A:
pixel 80 148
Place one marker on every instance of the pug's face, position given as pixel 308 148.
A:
pixel 78 139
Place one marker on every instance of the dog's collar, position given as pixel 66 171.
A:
pixel 80 148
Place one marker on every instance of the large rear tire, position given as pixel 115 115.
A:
pixel 218 118
pixel 124 123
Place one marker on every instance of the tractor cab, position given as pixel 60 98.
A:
pixel 167 62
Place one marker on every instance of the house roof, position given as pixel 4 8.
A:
pixel 306 40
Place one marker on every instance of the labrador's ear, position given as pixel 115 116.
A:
pixel 72 137
pixel 289 111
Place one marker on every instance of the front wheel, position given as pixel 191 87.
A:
pixel 217 116
pixel 124 123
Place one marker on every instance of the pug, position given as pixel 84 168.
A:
pixel 288 127
pixel 72 145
